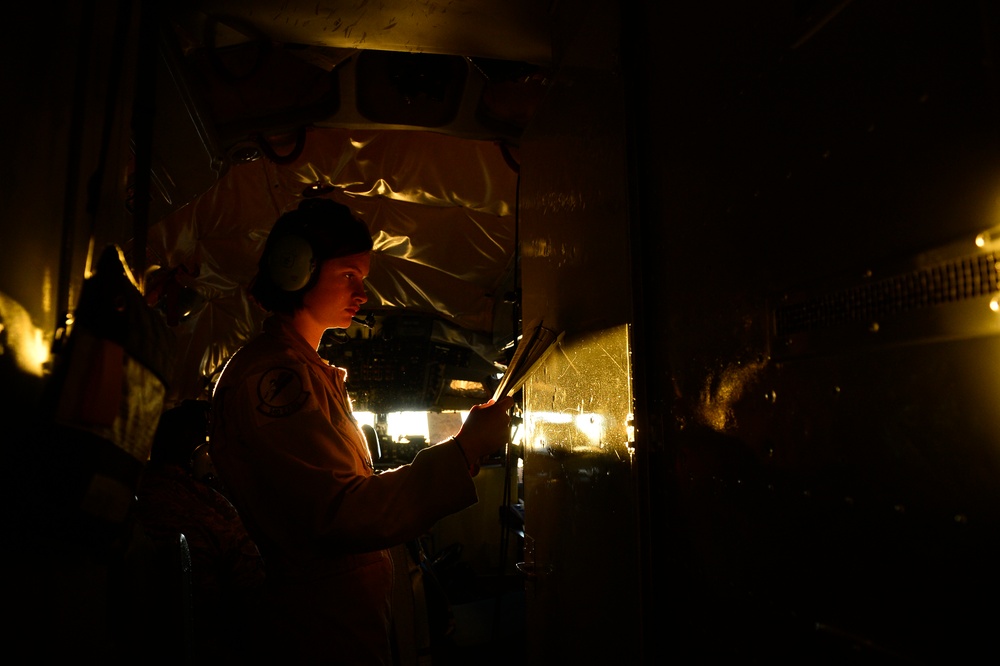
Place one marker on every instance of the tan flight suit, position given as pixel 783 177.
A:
pixel 297 467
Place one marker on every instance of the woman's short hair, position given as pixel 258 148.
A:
pixel 300 241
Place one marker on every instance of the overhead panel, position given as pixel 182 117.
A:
pixel 502 29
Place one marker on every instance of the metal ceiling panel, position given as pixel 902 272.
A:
pixel 501 29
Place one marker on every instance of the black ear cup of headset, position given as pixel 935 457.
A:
pixel 290 262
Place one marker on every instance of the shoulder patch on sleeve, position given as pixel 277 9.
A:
pixel 281 392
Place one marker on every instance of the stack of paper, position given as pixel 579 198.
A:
pixel 535 345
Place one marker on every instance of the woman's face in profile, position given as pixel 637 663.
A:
pixel 340 291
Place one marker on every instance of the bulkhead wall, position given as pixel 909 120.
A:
pixel 817 356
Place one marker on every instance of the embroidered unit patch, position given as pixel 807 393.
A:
pixel 281 392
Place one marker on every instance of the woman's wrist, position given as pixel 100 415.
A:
pixel 471 465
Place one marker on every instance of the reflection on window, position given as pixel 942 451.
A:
pixel 580 400
pixel 583 429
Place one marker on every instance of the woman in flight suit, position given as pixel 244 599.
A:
pixel 297 466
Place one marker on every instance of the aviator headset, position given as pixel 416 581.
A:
pixel 317 230
pixel 291 262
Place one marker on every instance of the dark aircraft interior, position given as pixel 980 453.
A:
pixel 765 238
